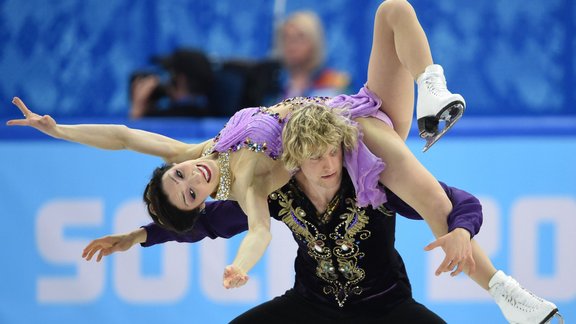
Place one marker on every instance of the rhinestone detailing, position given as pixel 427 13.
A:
pixel 301 101
pixel 225 181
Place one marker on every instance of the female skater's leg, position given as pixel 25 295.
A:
pixel 400 55
pixel 388 77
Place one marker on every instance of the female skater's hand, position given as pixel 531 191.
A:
pixel 234 277
pixel 107 245
pixel 458 249
pixel 45 124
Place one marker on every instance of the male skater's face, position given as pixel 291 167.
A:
pixel 324 170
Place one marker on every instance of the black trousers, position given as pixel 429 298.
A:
pixel 291 308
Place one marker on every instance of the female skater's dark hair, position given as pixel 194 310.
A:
pixel 162 211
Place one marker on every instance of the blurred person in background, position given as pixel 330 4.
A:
pixel 297 66
pixel 186 93
pixel 301 48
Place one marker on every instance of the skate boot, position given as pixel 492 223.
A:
pixel 436 103
pixel 518 304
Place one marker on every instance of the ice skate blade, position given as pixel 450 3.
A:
pixel 551 316
pixel 450 115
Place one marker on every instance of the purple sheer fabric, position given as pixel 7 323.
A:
pixel 363 166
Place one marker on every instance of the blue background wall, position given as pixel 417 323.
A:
pixel 72 59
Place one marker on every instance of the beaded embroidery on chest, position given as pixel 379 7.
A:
pixel 337 253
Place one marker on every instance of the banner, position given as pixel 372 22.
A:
pixel 57 196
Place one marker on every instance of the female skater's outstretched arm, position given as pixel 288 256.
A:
pixel 110 137
pixel 249 189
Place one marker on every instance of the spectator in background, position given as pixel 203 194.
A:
pixel 301 48
pixel 185 94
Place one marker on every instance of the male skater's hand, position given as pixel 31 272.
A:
pixel 458 249
pixel 234 277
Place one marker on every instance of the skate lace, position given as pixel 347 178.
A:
pixel 436 84
pixel 520 298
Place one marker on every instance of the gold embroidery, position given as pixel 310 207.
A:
pixel 304 230
pixel 355 220
pixel 327 215
pixel 337 255
pixel 385 211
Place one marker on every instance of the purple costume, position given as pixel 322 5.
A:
pixel 259 130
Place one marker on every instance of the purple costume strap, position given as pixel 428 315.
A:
pixel 363 166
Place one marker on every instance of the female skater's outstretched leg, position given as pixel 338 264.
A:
pixel 401 55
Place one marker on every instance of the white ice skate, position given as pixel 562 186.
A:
pixel 518 304
pixel 436 103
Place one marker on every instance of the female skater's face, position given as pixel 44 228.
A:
pixel 189 183
pixel 324 170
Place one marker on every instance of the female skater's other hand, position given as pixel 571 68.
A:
pixel 45 124
pixel 107 245
pixel 234 277
pixel 458 249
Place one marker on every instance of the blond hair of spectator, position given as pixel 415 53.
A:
pixel 310 29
